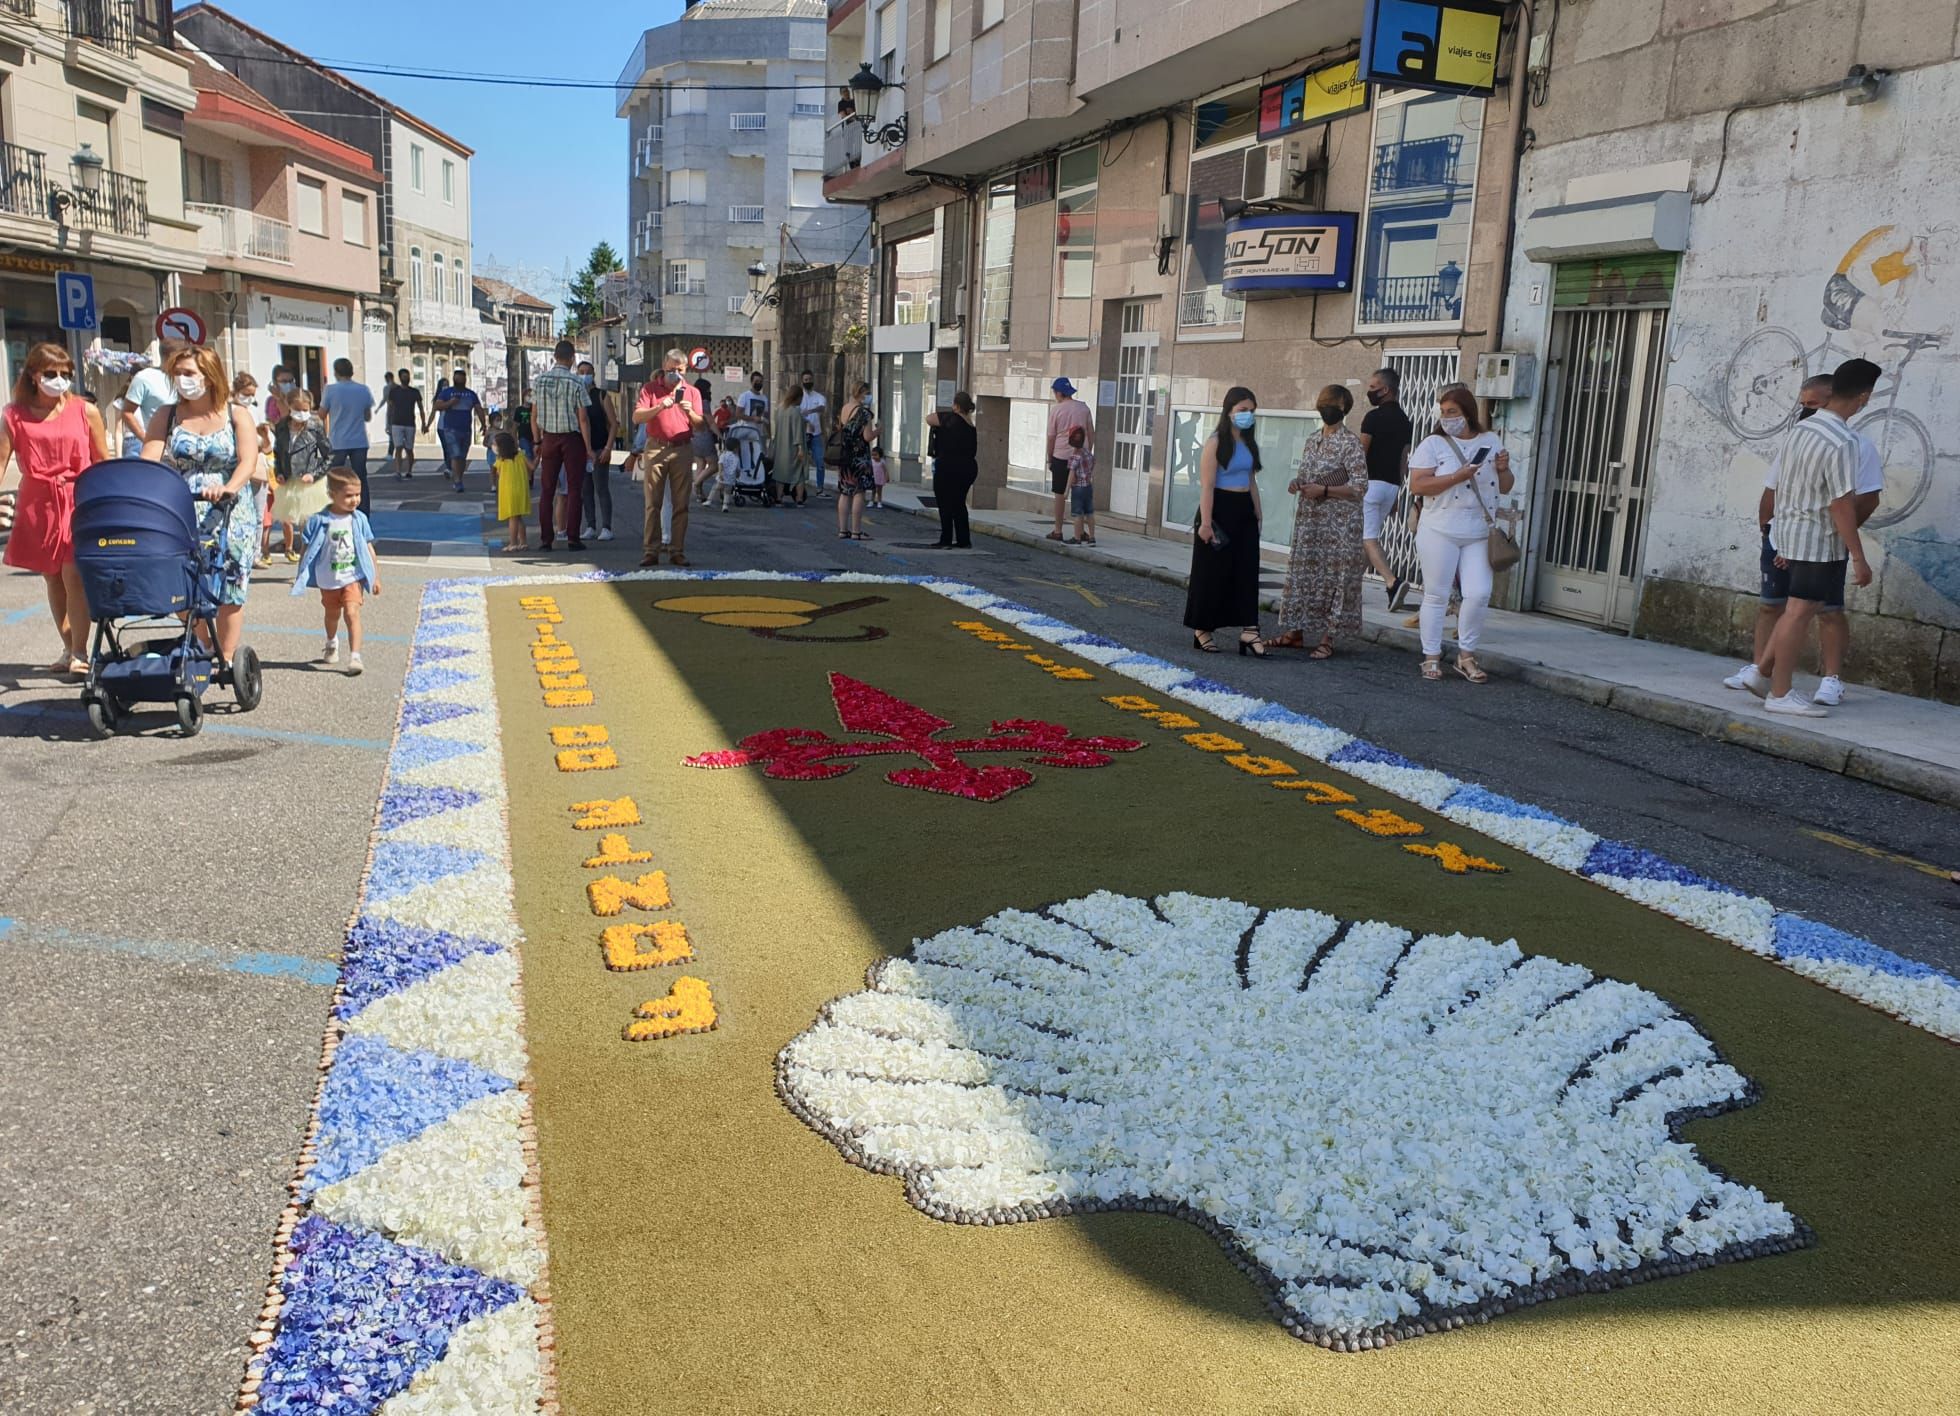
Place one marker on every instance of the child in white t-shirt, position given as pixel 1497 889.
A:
pixel 729 472
pixel 339 563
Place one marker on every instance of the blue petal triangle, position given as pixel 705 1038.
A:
pixel 362 1316
pixel 376 1097
pixel 435 653
pixel 384 956
pixel 401 866
pixel 403 804
pixel 428 680
pixel 423 713
pixel 443 629
pixel 415 749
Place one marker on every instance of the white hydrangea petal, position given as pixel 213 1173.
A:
pixel 491 1368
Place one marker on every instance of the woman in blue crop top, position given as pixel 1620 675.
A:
pixel 1225 552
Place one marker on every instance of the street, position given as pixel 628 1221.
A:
pixel 171 910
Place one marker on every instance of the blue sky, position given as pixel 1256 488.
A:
pixel 550 169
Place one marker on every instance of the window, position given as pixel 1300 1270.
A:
pixel 992 12
pixel 687 186
pixel 353 218
pixel 93 127
pixel 415 274
pixel 942 29
pixel 1227 162
pixel 997 265
pixel 688 277
pixel 809 101
pixel 415 166
pixel 441 290
pixel 312 207
pixel 890 20
pixel 686 98
pixel 805 187
pixel 913 278
pixel 1075 246
pixel 449 181
pixel 1415 238
pixel 204 180
pixel 456 277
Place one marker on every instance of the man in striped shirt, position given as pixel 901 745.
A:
pixel 558 418
pixel 1816 525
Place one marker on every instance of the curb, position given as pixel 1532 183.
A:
pixel 1884 769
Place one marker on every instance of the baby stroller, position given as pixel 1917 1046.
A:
pixel 142 557
pixel 751 482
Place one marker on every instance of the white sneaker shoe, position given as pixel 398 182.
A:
pixel 589 533
pixel 331 654
pixel 1749 677
pixel 354 664
pixel 606 535
pixel 1830 692
pixel 1795 705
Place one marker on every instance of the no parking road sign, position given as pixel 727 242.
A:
pixel 74 295
pixel 179 323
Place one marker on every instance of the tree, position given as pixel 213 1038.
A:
pixel 584 300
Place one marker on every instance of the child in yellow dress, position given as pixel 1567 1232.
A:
pixel 513 490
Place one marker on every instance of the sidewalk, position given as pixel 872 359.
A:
pixel 1909 745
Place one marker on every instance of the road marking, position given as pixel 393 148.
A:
pixel 322 972
pixel 1086 593
pixel 23 616
pixel 1832 838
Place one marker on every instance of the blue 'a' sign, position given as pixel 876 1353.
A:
pixel 1446 45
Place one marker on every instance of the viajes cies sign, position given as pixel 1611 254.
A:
pixel 1289 253
pixel 1319 96
pixel 1446 45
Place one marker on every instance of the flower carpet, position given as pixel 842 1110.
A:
pixel 788 993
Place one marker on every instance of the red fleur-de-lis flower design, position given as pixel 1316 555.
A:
pixel 808 755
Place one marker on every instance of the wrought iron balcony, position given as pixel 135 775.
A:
pixel 23 181
pixel 119 204
pixel 1411 299
pixel 17 9
pixel 1424 162
pixel 118 24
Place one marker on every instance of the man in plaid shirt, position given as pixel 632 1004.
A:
pixel 558 402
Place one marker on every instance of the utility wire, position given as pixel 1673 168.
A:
pixel 451 76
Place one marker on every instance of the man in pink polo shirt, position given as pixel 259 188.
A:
pixel 1068 414
pixel 671 409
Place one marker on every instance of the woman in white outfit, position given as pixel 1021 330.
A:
pixel 1459 470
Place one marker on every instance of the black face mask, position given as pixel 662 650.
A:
pixel 1376 398
pixel 1803 413
pixel 808 385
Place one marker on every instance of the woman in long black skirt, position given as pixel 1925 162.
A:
pixel 1225 552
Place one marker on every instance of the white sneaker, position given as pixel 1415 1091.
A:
pixel 354 664
pixel 1795 705
pixel 331 654
pixel 606 535
pixel 589 533
pixel 1830 692
pixel 1749 677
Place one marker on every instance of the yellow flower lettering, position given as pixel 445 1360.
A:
pixel 603 814
pixel 688 1007
pixel 616 850
pixel 1455 859
pixel 1129 702
pixel 568 698
pixel 608 895
pixel 566 677
pixel 1164 718
pixel 1260 766
pixel 1214 742
pixel 580 735
pixel 1318 793
pixel 587 759
pixel 1381 822
pixel 623 944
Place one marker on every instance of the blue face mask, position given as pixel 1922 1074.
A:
pixel 1243 420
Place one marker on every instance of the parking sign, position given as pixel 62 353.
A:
pixel 74 296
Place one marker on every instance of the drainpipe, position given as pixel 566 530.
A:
pixel 1514 142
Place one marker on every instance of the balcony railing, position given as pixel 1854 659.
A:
pixel 745 215
pixel 1425 162
pixel 843 147
pixel 17 9
pixel 747 122
pixel 23 181
pixel 117 24
pixel 241 235
pixel 683 286
pixel 119 204
pixel 1410 299
pixel 443 320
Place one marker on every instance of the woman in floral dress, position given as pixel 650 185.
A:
pixel 1323 575
pixel 214 445
pixel 857 430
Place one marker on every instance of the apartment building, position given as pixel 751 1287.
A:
pixel 527 327
pixel 725 116
pixel 1071 190
pixel 286 222
pixel 93 101
pixel 426 320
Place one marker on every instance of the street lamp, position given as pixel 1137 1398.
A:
pixel 760 293
pixel 865 87
pixel 1448 281
pixel 87 167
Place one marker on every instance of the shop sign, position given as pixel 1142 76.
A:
pixel 1449 46
pixel 30 265
pixel 305 314
pixel 1289 253
pixel 1309 99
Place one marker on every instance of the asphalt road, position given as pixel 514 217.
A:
pixel 170 910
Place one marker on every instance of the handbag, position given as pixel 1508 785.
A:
pixel 1503 551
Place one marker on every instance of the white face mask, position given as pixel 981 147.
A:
pixel 54 385
pixel 302 417
pixel 191 386
pixel 1455 426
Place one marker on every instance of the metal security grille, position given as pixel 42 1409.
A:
pixel 1608 369
pixel 1424 373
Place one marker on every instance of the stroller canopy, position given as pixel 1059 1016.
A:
pixel 127 506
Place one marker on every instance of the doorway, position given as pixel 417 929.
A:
pixel 308 362
pixel 1136 421
pixel 1607 375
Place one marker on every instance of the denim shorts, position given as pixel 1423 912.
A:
pixel 1082 501
pixel 455 445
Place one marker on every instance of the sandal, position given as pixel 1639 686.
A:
pixel 1468 667
pixel 1251 643
pixel 1054 535
pixel 1322 650
pixel 1292 639
pixel 1201 639
pixel 1432 669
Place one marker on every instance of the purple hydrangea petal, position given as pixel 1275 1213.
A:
pixel 401 866
pixel 377 1096
pixel 1800 938
pixel 1359 751
pixel 1617 858
pixel 384 956
pixel 403 804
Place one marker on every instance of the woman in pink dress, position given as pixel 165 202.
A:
pixel 54 433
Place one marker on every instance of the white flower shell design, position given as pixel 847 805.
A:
pixel 1392 1134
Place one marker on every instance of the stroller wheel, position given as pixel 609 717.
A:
pixel 103 715
pixel 247 680
pixel 190 714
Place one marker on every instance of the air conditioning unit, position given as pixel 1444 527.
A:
pixel 1501 374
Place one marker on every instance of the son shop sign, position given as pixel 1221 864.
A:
pixel 1446 45
pixel 1289 253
